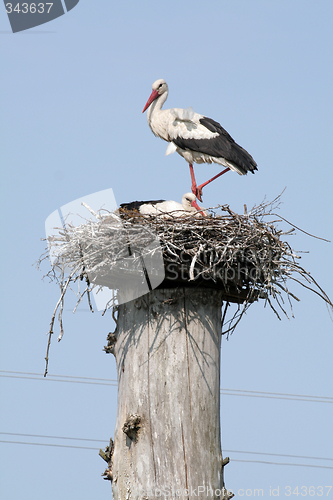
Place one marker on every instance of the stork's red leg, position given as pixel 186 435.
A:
pixel 195 190
pixel 199 188
pixel 194 184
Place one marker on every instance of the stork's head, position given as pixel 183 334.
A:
pixel 159 87
pixel 190 204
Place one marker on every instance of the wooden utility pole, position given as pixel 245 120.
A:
pixel 167 342
pixel 167 438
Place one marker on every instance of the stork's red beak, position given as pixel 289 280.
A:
pixel 195 205
pixel 154 95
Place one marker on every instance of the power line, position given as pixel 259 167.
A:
pixel 299 398
pixel 113 382
pixel 105 441
pixel 233 459
pixel 51 444
pixel 282 463
pixel 280 394
pixel 56 380
pixel 53 437
pixel 39 376
pixel 274 454
pixel 60 376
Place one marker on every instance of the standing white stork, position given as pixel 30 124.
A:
pixel 195 137
pixel 167 208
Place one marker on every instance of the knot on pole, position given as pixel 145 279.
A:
pixel 132 426
pixel 107 456
pixel 111 339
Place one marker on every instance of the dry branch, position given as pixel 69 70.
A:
pixel 243 253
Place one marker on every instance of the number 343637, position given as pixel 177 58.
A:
pixel 25 8
pixel 311 491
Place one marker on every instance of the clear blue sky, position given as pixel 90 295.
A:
pixel 72 92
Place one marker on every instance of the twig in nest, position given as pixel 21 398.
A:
pixel 50 333
pixel 245 252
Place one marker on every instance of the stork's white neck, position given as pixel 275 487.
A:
pixel 156 107
pixel 158 118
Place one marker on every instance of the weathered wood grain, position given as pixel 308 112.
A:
pixel 167 434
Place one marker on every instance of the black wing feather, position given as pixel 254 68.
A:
pixel 222 146
pixel 135 205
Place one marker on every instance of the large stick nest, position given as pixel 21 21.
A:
pixel 244 255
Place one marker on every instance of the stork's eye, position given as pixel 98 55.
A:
pixel 160 85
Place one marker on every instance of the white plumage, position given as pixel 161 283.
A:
pixel 195 137
pixel 167 208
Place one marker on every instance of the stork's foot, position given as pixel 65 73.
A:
pixel 197 191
